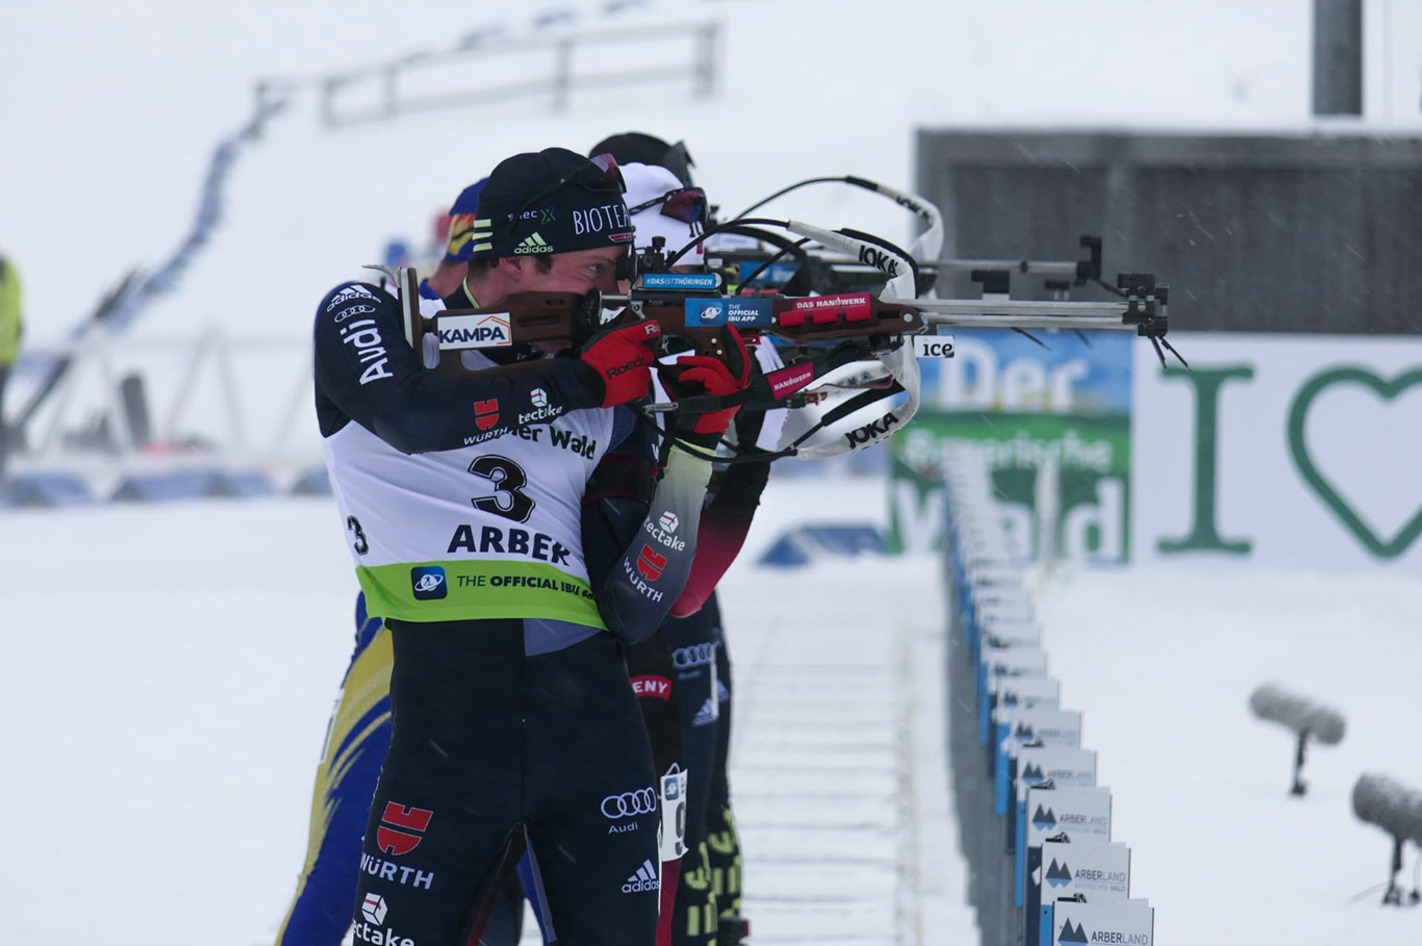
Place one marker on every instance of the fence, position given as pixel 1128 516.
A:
pixel 142 415
pixel 1034 826
pixel 545 66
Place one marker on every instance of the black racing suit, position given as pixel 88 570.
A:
pixel 516 725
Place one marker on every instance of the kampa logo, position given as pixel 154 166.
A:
pixel 489 330
pixel 1031 772
pixel 1058 875
pixel 644 880
pixel 880 260
pixel 533 243
pixel 1044 820
pixel 428 582
pixel 486 413
pixel 401 829
pixel 1071 933
pixel 373 908
pixel 652 685
pixel 873 430
pixel 649 564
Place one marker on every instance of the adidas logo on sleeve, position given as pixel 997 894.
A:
pixel 534 243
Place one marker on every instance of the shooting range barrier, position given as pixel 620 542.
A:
pixel 1035 827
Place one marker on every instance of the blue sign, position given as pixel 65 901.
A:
pixel 749 312
pixel 693 281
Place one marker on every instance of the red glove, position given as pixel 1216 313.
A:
pixel 622 360
pixel 704 374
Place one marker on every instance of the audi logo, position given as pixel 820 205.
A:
pixel 684 658
pixel 641 802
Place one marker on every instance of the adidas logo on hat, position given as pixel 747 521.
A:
pixel 645 879
pixel 534 244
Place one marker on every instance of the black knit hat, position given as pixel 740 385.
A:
pixel 554 201
pixel 638 147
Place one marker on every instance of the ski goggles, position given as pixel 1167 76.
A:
pixel 687 204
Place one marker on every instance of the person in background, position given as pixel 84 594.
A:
pixel 515 719
pixel 11 327
pixel 459 245
pixel 665 203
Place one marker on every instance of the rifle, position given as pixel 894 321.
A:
pixel 821 335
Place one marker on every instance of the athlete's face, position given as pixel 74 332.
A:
pixel 580 271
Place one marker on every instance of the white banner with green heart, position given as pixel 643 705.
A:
pixel 1297 451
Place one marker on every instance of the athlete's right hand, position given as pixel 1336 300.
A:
pixel 622 360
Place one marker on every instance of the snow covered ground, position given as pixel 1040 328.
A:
pixel 169 671
pixel 1162 661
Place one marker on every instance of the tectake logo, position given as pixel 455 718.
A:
pixel 542 410
pixel 669 521
pixel 428 582
pixel 373 908
pixel 401 829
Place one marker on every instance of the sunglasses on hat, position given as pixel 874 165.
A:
pixel 687 204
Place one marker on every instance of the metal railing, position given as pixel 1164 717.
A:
pixel 539 66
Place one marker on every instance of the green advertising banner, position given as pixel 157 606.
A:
pixel 1054 426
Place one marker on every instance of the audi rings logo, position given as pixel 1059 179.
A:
pixel 697 655
pixel 641 802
